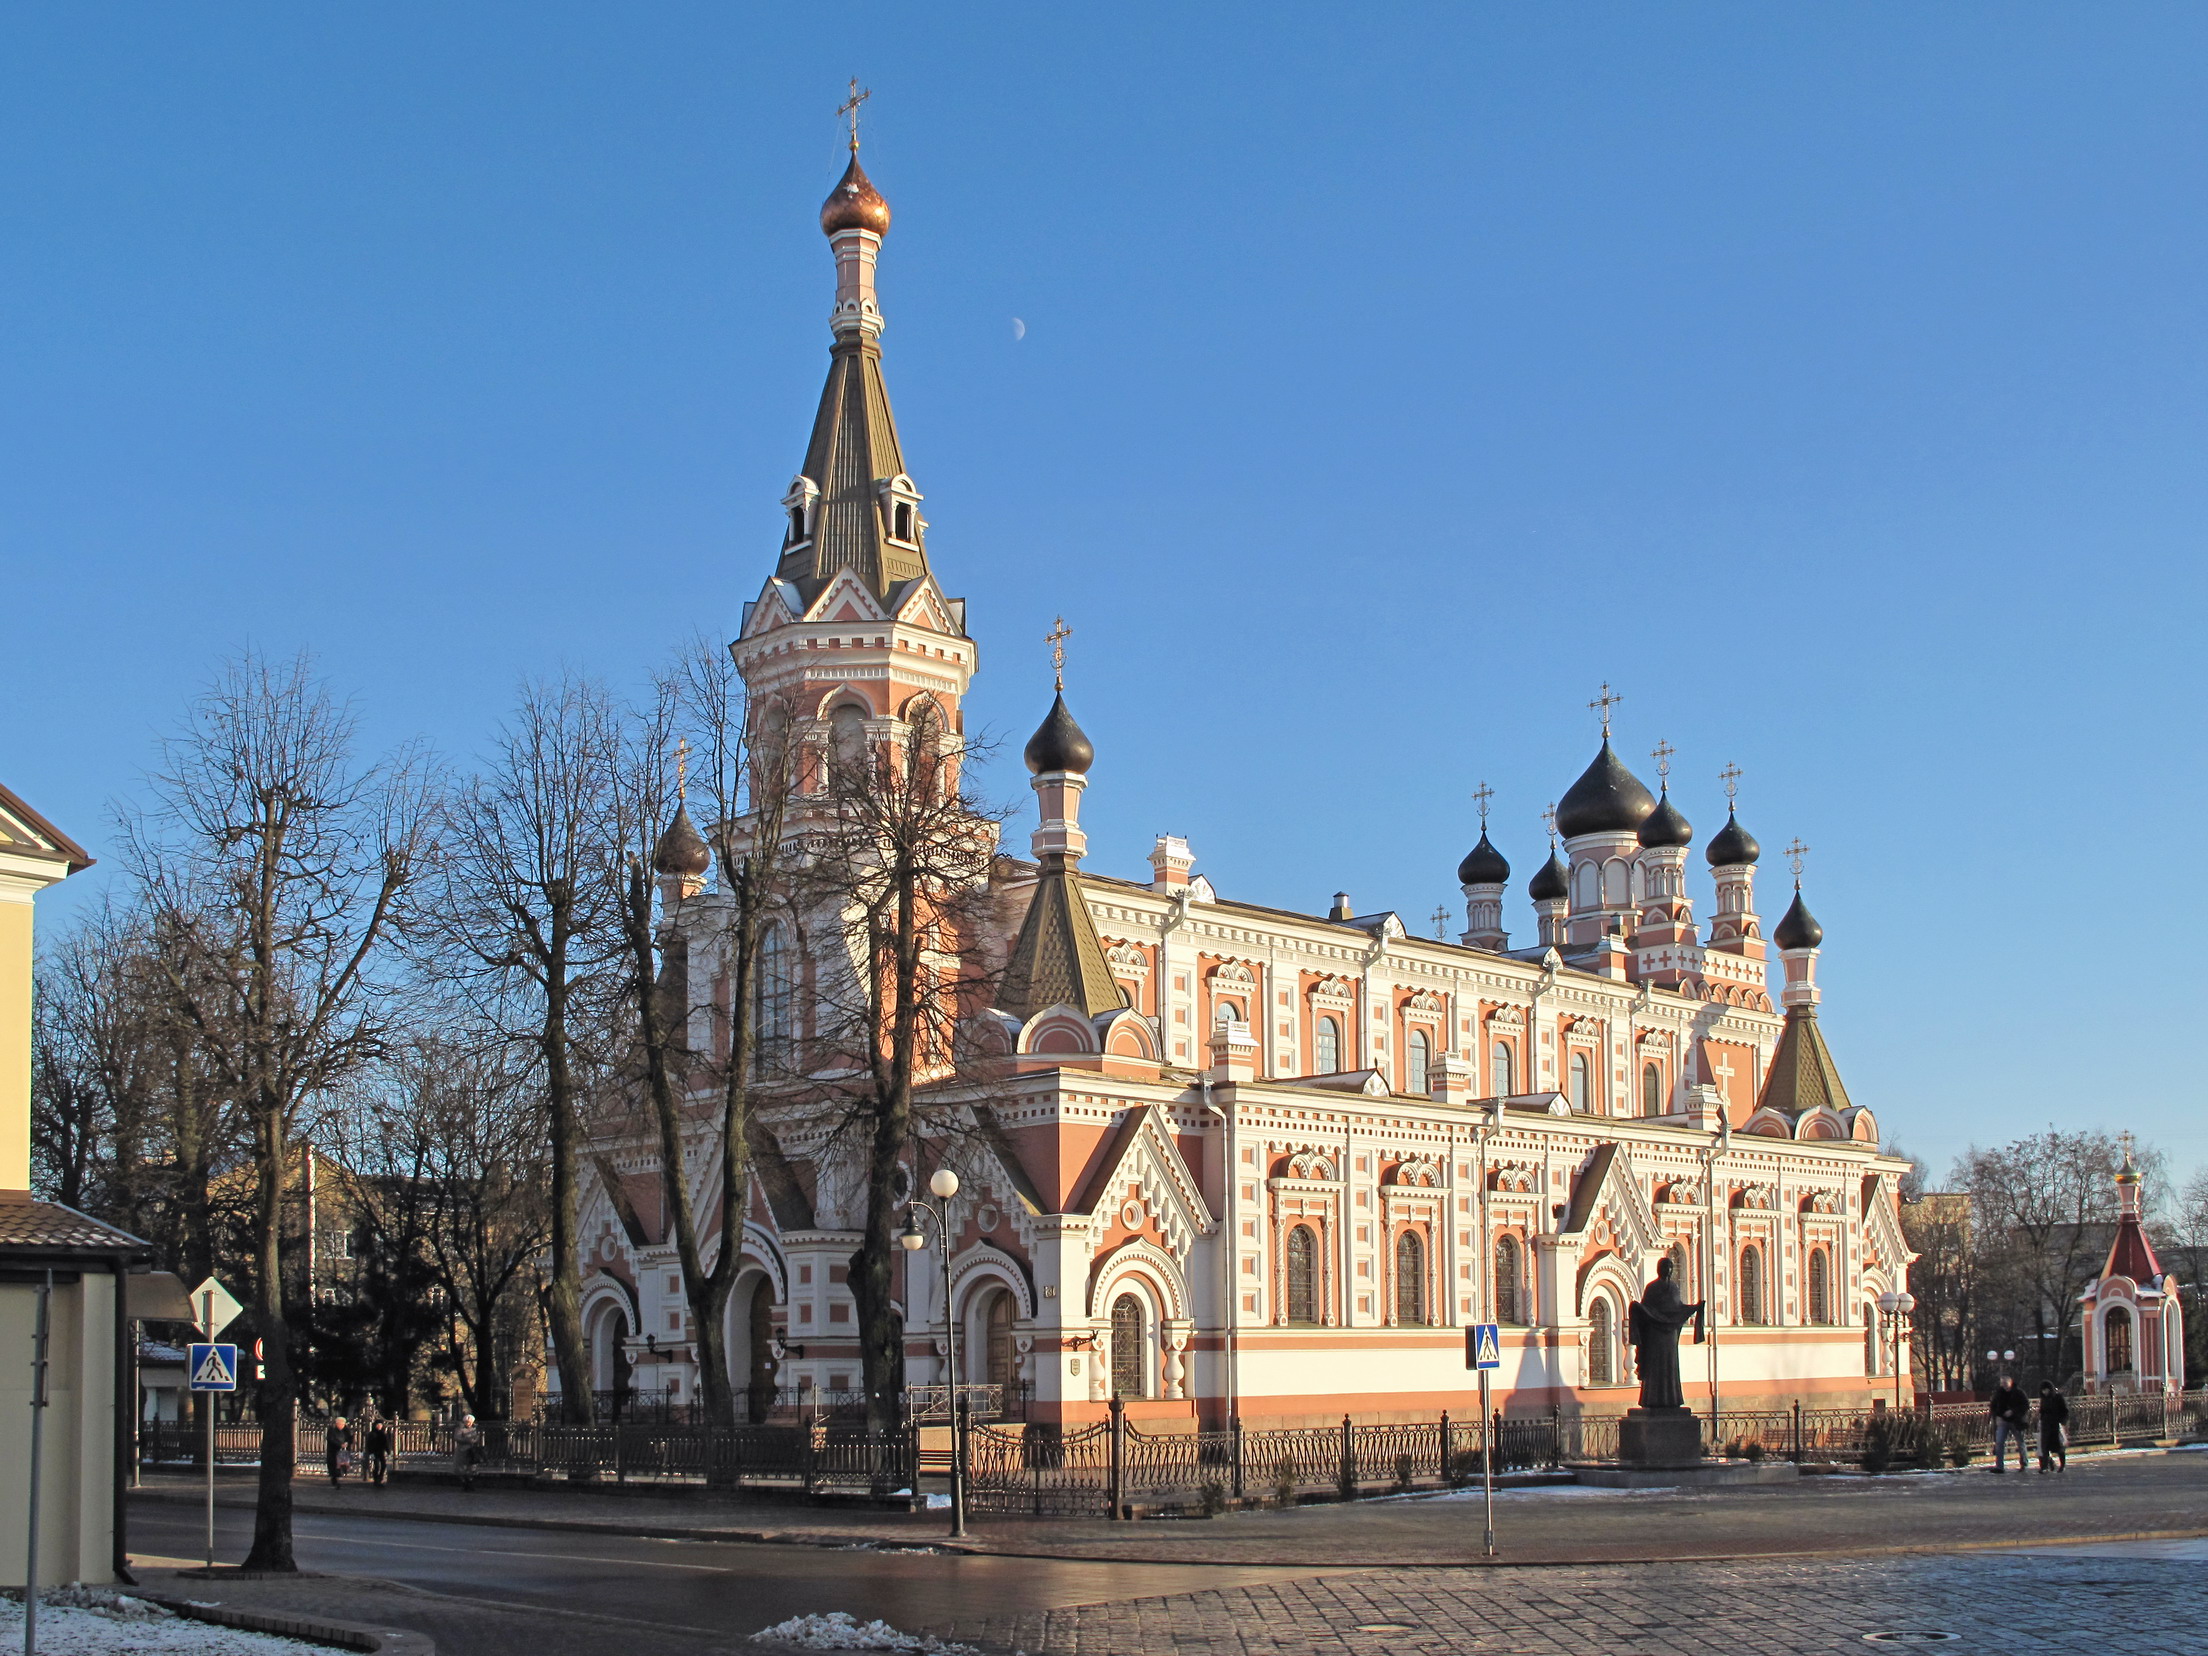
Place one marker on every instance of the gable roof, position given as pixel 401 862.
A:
pixel 24 833
pixel 2131 1254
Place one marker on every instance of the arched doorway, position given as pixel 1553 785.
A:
pixel 1602 1343
pixel 999 1362
pixel 1130 1347
pixel 759 1362
pixel 2117 1332
pixel 1303 1275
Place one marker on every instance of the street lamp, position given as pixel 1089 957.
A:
pixel 1895 1308
pixel 1720 1142
pixel 1490 1124
pixel 944 1183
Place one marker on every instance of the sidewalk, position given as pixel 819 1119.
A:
pixel 2105 1497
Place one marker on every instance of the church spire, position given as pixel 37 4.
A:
pixel 853 507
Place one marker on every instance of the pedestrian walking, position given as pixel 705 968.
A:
pixel 2010 1410
pixel 337 1450
pixel 2054 1429
pixel 377 1442
pixel 467 1449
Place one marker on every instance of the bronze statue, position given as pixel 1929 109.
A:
pixel 1653 1328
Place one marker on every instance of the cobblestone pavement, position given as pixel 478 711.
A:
pixel 2007 1603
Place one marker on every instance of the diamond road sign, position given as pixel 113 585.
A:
pixel 212 1367
pixel 1483 1346
pixel 214 1308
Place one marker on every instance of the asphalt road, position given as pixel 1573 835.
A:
pixel 719 1589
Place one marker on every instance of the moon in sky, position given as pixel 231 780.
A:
pixel 1019 328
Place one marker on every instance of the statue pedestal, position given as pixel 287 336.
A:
pixel 1660 1438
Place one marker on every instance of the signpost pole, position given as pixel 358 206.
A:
pixel 1487 1460
pixel 207 1321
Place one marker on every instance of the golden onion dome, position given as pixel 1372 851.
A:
pixel 854 204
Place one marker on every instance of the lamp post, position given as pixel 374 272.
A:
pixel 1490 1123
pixel 1720 1142
pixel 944 1183
pixel 1895 1308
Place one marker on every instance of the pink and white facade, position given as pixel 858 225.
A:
pixel 2133 1315
pixel 1246 1162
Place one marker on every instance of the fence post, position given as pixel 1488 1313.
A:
pixel 1349 1461
pixel 1445 1477
pixel 1494 1444
pixel 1119 1457
pixel 1556 1435
pixel 1235 1426
pixel 805 1458
pixel 1797 1431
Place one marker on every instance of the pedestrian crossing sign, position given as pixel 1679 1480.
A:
pixel 212 1367
pixel 1483 1346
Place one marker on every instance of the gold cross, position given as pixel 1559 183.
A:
pixel 682 768
pixel 1441 923
pixel 2125 1138
pixel 1794 855
pixel 1480 796
pixel 1662 753
pixel 1731 776
pixel 1549 818
pixel 850 108
pixel 1603 703
pixel 1056 639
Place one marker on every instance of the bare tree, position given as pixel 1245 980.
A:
pixel 527 921
pixel 273 865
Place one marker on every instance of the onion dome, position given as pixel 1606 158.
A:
pixel 1483 865
pixel 1548 880
pixel 1799 928
pixel 681 849
pixel 1733 844
pixel 854 204
pixel 1665 826
pixel 1607 799
pixel 1059 745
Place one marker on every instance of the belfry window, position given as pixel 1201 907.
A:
pixel 797 524
pixel 1329 1042
pixel 1418 1062
pixel 1303 1275
pixel 773 999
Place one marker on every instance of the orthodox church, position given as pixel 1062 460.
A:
pixel 1239 1161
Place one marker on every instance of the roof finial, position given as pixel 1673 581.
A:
pixel 682 770
pixel 1662 753
pixel 1795 854
pixel 1441 923
pixel 1731 776
pixel 849 109
pixel 1603 703
pixel 1548 820
pixel 1056 639
pixel 1480 797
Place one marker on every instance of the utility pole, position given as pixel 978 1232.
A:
pixel 38 1443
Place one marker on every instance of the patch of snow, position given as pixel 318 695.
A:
pixel 939 1503
pixel 840 1630
pixel 92 1621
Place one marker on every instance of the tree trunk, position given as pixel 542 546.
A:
pixel 278 1396
pixel 564 1298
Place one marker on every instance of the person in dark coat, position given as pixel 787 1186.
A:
pixel 377 1444
pixel 467 1450
pixel 337 1450
pixel 2054 1429
pixel 2010 1410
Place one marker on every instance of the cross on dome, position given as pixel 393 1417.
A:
pixel 1548 820
pixel 1795 855
pixel 1056 639
pixel 849 109
pixel 1481 795
pixel 1662 753
pixel 1603 703
pixel 1731 776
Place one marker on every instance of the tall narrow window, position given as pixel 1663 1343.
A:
pixel 1330 1046
pixel 1820 1286
pixel 1679 1271
pixel 773 1000
pixel 1418 1058
pixel 904 522
pixel 1602 1342
pixel 2118 1335
pixel 1303 1275
pixel 1410 1279
pixel 1751 1284
pixel 797 524
pixel 1502 1079
pixel 1652 1090
pixel 997 1339
pixel 1510 1306
pixel 1583 1082
pixel 1129 1363
pixel 1870 1340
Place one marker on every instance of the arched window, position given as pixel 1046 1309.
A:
pixel 797 523
pixel 1583 1082
pixel 1502 1078
pixel 1652 1089
pixel 1820 1286
pixel 1602 1343
pixel 1418 1058
pixel 847 738
pixel 1330 1046
pixel 1227 1012
pixel 1510 1299
pixel 1410 1279
pixel 999 1364
pixel 1303 1275
pixel 1128 1348
pixel 1679 1271
pixel 2117 1331
pixel 903 530
pixel 1751 1284
pixel 1870 1341
pixel 773 1000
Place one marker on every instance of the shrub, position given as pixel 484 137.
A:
pixel 1284 1484
pixel 1214 1497
pixel 1754 1451
pixel 1403 1472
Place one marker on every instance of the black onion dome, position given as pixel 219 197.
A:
pixel 681 849
pixel 1607 799
pixel 1549 880
pixel 1665 826
pixel 1483 865
pixel 1733 844
pixel 1799 929
pixel 1058 744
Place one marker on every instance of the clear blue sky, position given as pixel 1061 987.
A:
pixel 1829 379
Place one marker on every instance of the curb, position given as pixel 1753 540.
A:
pixel 370 1641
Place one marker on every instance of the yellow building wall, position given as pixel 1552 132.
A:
pixel 76 1496
pixel 15 1043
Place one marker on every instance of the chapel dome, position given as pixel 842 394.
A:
pixel 1483 865
pixel 1733 844
pixel 1607 799
pixel 1798 929
pixel 1549 880
pixel 681 849
pixel 1666 826
pixel 1059 744
pixel 854 204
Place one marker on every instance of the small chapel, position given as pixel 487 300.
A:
pixel 1241 1162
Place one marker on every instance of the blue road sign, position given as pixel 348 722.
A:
pixel 212 1367
pixel 1483 1346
